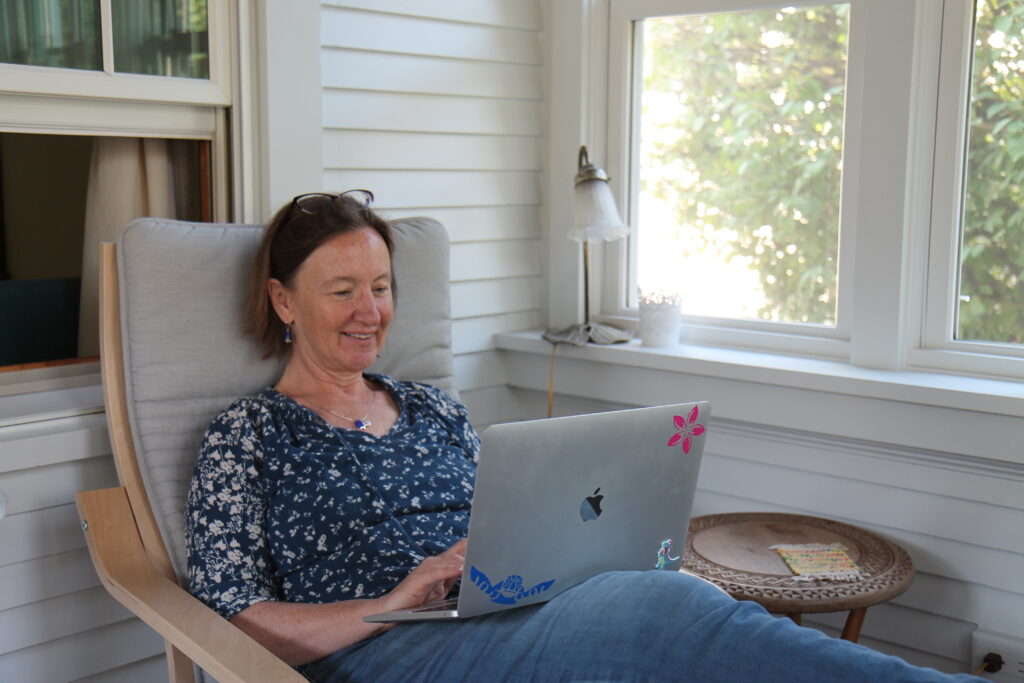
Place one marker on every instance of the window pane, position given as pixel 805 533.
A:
pixel 740 161
pixel 992 253
pixel 161 37
pixel 59 33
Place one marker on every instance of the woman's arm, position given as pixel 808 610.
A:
pixel 302 633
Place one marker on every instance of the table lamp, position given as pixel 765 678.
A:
pixel 597 220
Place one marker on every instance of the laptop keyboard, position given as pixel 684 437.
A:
pixel 440 606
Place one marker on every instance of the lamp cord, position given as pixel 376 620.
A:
pixel 551 378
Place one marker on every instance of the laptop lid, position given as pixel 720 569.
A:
pixel 560 500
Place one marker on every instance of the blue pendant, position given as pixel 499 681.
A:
pixel 359 424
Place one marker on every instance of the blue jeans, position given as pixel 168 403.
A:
pixel 620 626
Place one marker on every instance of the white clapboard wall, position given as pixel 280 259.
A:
pixel 958 514
pixel 57 623
pixel 436 106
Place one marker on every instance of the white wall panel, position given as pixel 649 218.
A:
pixel 430 113
pixel 487 297
pixel 492 405
pixel 492 260
pixel 46 577
pixel 41 622
pixel 83 654
pixel 430 151
pixel 480 223
pixel 508 13
pixel 480 370
pixel 402 189
pixel 42 487
pixel 477 334
pixel 152 670
pixel 31 535
pixel 43 443
pixel 828 625
pixel 359 30
pixel 386 72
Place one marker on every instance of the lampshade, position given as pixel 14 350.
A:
pixel 597 216
pixel 597 220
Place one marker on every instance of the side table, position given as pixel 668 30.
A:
pixel 733 551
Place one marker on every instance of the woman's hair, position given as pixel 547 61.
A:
pixel 294 233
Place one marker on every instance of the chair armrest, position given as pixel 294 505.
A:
pixel 126 572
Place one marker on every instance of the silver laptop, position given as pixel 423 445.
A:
pixel 561 500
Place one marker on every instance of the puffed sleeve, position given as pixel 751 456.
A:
pixel 228 555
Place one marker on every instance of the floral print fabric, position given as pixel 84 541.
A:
pixel 284 506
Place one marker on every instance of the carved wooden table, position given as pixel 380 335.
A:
pixel 733 551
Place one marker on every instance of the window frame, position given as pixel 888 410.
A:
pixel 938 348
pixel 899 234
pixel 109 84
pixel 623 157
pixel 59 101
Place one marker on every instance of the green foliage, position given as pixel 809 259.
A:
pixel 992 253
pixel 755 149
pixel 759 126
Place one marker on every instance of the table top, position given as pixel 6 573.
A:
pixel 734 552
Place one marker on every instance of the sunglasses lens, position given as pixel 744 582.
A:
pixel 361 197
pixel 314 203
pixel 319 202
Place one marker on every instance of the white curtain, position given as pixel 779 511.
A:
pixel 129 178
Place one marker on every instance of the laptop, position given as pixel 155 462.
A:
pixel 560 500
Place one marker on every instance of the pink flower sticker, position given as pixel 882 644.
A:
pixel 686 429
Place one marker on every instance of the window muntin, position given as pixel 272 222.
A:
pixel 740 158
pixel 990 305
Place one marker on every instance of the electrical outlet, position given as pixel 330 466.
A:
pixel 1009 648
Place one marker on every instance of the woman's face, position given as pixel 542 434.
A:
pixel 340 302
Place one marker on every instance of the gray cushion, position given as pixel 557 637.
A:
pixel 182 291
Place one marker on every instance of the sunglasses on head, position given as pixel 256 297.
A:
pixel 314 203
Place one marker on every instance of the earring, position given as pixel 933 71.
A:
pixel 288 338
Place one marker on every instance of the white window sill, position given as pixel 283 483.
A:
pixel 998 397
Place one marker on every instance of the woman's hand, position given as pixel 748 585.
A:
pixel 300 633
pixel 430 581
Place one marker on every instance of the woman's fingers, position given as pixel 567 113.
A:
pixel 431 580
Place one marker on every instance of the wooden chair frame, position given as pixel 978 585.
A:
pixel 128 551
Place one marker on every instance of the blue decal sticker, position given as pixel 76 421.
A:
pixel 508 592
pixel 665 554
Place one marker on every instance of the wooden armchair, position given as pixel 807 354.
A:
pixel 173 356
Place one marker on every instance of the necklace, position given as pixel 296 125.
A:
pixel 361 424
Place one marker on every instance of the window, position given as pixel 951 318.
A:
pixel 105 87
pixel 114 48
pixel 740 160
pixel 976 301
pixel 786 170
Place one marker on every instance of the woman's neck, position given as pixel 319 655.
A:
pixel 304 381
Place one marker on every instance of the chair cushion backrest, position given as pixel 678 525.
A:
pixel 182 292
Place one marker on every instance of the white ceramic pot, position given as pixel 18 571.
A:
pixel 660 324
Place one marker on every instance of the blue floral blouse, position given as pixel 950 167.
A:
pixel 284 506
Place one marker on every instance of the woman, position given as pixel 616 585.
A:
pixel 337 494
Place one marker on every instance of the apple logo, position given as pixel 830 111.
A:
pixel 590 508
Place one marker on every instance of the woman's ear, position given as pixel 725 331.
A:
pixel 281 300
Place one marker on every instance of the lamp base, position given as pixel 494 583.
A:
pixel 581 333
